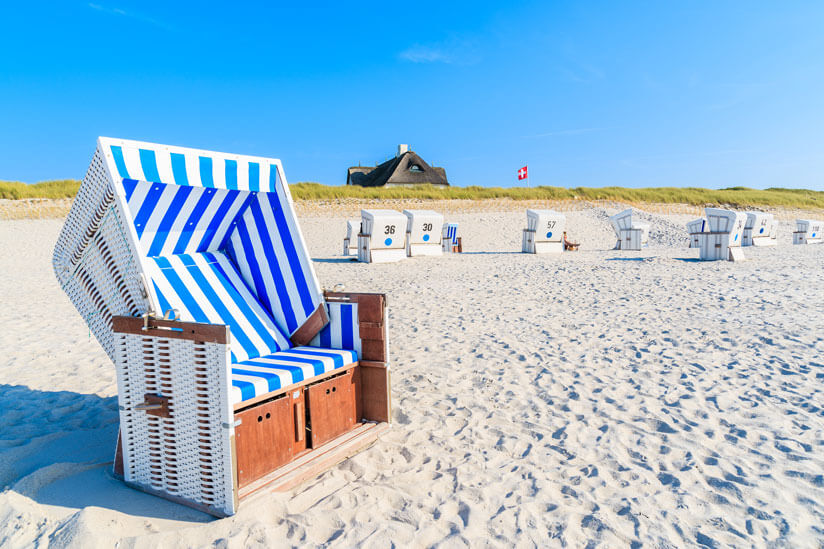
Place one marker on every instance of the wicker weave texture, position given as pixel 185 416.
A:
pixel 93 259
pixel 188 455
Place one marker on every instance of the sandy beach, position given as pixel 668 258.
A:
pixel 597 398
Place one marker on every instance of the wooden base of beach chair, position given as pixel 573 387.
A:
pixel 321 459
pixel 458 248
pixel 284 428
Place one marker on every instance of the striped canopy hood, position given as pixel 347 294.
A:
pixel 212 235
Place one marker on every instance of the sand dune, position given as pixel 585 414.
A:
pixel 597 398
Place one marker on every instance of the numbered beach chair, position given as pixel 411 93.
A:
pixel 631 235
pixel 235 372
pixel 808 232
pixel 694 228
pixel 383 236
pixel 544 232
pixel 759 230
pixel 723 239
pixel 423 232
pixel 450 241
pixel 350 243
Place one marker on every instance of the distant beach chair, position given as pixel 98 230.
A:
pixel 694 228
pixel 544 232
pixel 631 234
pixel 383 236
pixel 450 241
pixel 723 239
pixel 423 232
pixel 350 243
pixel 759 230
pixel 235 372
pixel 808 231
pixel 570 246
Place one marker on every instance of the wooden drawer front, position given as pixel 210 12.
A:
pixel 269 436
pixel 332 408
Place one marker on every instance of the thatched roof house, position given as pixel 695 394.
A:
pixel 407 168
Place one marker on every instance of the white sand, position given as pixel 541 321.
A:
pixel 600 397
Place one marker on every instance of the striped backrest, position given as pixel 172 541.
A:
pixel 207 287
pixel 188 202
pixel 273 264
pixel 343 330
pixel 451 232
pixel 170 219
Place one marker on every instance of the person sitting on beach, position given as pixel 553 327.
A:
pixel 570 246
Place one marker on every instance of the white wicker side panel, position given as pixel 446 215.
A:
pixel 90 205
pixel 105 281
pixel 93 260
pixel 187 456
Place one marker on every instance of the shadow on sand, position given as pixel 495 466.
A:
pixel 57 447
pixel 335 259
pixel 629 258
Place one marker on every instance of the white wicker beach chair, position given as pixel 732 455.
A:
pixel 808 231
pixel 722 240
pixel 694 228
pixel 631 234
pixel 544 232
pixel 383 236
pixel 423 232
pixel 759 230
pixel 350 243
pixel 450 241
pixel 235 371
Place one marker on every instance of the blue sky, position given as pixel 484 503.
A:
pixel 709 94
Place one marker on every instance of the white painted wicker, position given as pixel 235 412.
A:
pixel 188 455
pixel 93 258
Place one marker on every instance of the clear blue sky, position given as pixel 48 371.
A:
pixel 657 93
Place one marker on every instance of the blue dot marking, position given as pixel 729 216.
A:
pixel 387 242
pixel 761 231
pixel 426 238
pixel 549 234
pixel 735 239
pixel 813 235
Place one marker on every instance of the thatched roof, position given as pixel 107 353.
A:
pixel 405 169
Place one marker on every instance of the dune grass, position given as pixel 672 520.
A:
pixel 61 188
pixel 734 196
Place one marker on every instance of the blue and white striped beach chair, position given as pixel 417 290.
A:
pixel 450 241
pixel 235 370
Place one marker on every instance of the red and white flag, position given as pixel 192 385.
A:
pixel 522 173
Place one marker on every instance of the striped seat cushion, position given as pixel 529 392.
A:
pixel 206 287
pixel 256 377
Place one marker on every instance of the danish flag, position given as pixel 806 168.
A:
pixel 522 173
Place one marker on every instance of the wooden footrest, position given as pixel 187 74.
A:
pixel 318 460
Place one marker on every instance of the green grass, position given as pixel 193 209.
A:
pixel 734 196
pixel 62 188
